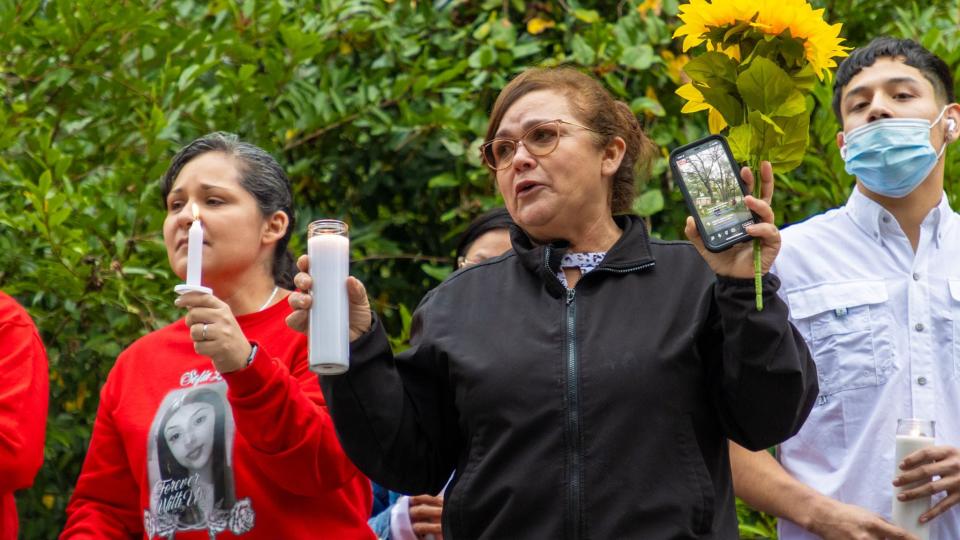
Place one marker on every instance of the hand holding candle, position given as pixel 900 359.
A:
pixel 912 435
pixel 194 257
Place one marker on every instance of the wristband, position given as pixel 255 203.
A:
pixel 253 352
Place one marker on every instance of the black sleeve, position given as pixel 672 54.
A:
pixel 767 380
pixel 395 416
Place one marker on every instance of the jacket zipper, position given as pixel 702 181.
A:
pixel 573 420
pixel 627 270
pixel 573 518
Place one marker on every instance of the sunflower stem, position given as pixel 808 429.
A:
pixel 757 266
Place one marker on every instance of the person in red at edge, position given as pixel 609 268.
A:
pixel 23 407
pixel 213 427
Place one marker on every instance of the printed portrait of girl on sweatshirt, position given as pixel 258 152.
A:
pixel 191 474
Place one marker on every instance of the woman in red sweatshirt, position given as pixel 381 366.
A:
pixel 213 427
pixel 23 407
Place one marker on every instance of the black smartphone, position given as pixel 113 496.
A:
pixel 710 181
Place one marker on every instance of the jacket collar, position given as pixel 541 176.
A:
pixel 631 252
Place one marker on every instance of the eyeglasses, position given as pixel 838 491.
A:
pixel 540 140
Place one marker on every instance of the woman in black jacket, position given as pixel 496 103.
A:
pixel 584 385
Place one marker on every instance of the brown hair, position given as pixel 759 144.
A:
pixel 595 107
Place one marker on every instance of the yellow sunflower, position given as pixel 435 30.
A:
pixel 821 41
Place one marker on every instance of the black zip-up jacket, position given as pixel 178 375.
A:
pixel 599 412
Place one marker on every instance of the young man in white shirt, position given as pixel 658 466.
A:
pixel 874 287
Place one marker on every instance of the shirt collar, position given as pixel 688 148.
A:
pixel 873 219
pixel 866 214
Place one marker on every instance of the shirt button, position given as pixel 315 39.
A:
pixel 922 381
pixel 916 276
pixel 918 327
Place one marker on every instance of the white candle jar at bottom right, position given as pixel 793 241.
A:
pixel 912 434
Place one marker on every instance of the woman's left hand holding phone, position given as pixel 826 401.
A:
pixel 215 331
pixel 737 262
pixel 361 318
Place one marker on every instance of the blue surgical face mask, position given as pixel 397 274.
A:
pixel 892 156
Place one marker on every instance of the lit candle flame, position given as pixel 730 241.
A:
pixel 196 212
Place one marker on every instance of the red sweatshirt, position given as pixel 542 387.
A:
pixel 23 407
pixel 178 449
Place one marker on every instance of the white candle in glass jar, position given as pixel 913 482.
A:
pixel 906 514
pixel 329 251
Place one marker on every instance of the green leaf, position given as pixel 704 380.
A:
pixel 246 71
pixel 503 34
pixel 765 134
pixel 588 16
pixel 443 180
pixel 791 149
pixel 711 67
pixel 794 105
pixel 148 53
pixel 722 100
pixel 739 139
pixel 764 86
pixel 615 84
pixel 437 272
pixel 454 146
pixel 582 52
pixel 649 203
pixel 806 78
pixel 44 183
pixel 736 29
pixel 791 48
pixel 483 30
pixel 638 57
pixel 186 77
pixel 647 105
pixel 482 57
pixel 526 49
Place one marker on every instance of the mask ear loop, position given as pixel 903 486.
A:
pixel 951 124
pixel 939 117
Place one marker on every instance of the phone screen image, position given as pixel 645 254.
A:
pixel 714 191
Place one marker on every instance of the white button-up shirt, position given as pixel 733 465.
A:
pixel 883 324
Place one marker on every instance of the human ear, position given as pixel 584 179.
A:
pixel 952 115
pixel 612 156
pixel 275 226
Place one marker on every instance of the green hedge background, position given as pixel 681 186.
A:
pixel 375 108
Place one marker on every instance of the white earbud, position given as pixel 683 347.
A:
pixel 951 125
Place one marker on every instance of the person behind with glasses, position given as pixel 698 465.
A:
pixel 590 362
pixel 486 237
pixel 408 518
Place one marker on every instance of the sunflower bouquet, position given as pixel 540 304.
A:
pixel 762 59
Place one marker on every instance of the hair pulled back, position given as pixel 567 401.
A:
pixel 261 176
